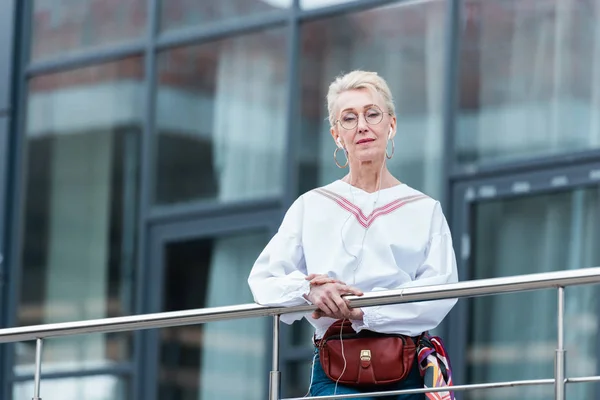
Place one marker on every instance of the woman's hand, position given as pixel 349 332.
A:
pixel 320 279
pixel 327 294
pixel 356 314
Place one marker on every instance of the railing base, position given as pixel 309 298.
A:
pixel 559 384
pixel 274 379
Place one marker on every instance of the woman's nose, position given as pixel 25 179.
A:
pixel 362 123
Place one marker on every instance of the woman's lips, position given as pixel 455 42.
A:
pixel 363 141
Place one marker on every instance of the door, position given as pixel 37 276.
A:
pixel 529 223
pixel 199 264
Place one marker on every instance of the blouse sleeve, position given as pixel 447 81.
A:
pixel 438 267
pixel 278 275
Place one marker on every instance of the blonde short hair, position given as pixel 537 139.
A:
pixel 358 80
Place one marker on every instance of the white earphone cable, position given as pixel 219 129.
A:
pixel 360 252
pixel 312 374
pixel 343 357
pixel 350 215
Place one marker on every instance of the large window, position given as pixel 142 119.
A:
pixel 513 336
pixel 404 44
pixel 79 252
pixel 221 114
pixel 530 79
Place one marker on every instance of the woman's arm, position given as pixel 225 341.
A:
pixel 278 277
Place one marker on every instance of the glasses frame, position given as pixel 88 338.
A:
pixel 363 114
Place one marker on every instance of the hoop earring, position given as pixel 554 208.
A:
pixel 393 150
pixel 336 161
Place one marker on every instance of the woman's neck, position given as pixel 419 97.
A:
pixel 370 177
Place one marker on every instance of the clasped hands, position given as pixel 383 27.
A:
pixel 328 295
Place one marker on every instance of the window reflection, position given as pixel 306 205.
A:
pixel 184 13
pixel 297 378
pixel 78 255
pixel 513 336
pixel 101 387
pixel 221 111
pixel 62 27
pixel 530 79
pixel 198 362
pixel 404 44
pixel 310 4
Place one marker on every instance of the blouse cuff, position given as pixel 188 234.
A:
pixel 302 292
pixel 370 318
pixel 305 290
pixel 299 290
pixel 296 289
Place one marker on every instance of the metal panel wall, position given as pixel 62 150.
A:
pixel 7 19
pixel 7 39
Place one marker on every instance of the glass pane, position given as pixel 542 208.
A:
pixel 80 213
pixel 101 387
pixel 62 27
pixel 302 333
pixel 296 378
pixel 198 362
pixel 221 116
pixel 310 4
pixel 185 13
pixel 530 79
pixel 411 36
pixel 513 336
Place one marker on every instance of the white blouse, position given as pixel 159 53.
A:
pixel 395 238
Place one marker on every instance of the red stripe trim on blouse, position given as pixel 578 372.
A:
pixel 366 221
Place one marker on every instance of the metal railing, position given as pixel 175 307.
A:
pixel 473 288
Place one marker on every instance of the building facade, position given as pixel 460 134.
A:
pixel 149 148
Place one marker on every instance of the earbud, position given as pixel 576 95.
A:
pixel 339 142
pixel 390 134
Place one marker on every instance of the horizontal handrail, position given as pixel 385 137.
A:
pixel 472 288
pixel 455 388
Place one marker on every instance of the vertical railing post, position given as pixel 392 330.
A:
pixel 275 376
pixel 559 361
pixel 38 369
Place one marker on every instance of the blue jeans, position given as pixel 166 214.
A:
pixel 323 386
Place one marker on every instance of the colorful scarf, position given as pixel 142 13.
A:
pixel 434 365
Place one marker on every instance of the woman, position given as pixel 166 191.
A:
pixel 363 233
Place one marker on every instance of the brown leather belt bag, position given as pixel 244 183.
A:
pixel 370 358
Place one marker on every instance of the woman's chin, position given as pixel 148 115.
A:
pixel 369 156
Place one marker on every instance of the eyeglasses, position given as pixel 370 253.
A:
pixel 349 119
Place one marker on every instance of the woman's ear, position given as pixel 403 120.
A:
pixel 336 138
pixel 393 127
